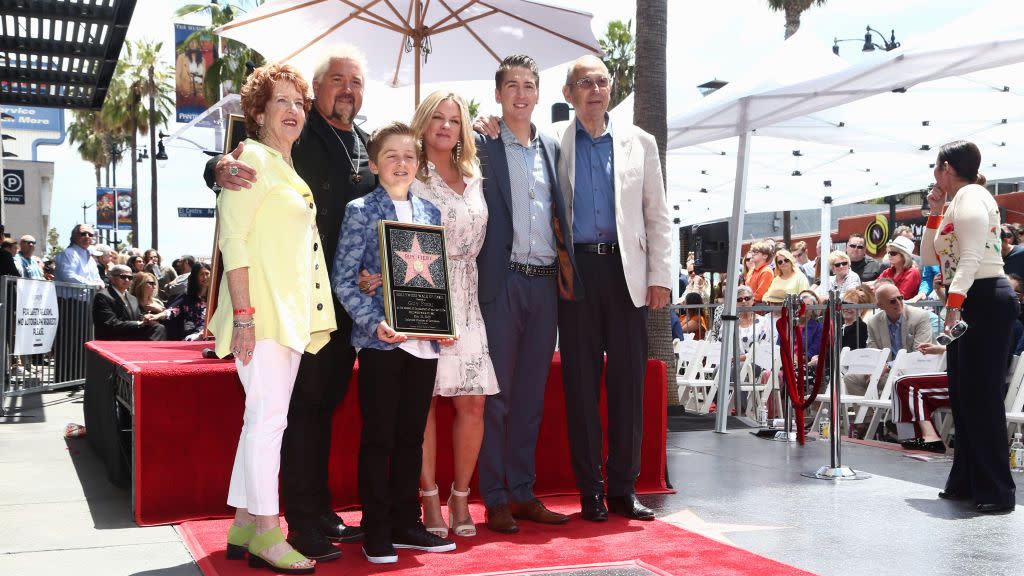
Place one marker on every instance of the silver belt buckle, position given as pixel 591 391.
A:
pixel 602 249
pixel 527 272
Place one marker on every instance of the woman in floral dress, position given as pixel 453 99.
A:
pixel 450 179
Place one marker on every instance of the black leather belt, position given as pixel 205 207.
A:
pixel 603 248
pixel 533 269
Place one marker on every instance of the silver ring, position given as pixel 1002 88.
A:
pixel 234 352
pixel 233 170
pixel 249 353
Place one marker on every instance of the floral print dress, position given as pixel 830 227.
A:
pixel 464 368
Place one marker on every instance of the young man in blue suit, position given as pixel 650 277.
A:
pixel 525 265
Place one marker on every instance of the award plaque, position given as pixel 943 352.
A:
pixel 414 270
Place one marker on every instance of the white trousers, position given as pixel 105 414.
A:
pixel 268 380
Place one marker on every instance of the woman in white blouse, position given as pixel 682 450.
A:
pixel 841 275
pixel 964 241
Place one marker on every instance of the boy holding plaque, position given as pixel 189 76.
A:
pixel 396 373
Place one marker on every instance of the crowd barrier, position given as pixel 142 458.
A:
pixel 45 325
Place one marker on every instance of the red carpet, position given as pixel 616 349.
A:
pixel 664 548
pixel 189 410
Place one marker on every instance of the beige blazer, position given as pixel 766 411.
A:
pixel 917 330
pixel 641 213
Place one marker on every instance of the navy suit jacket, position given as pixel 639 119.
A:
pixel 496 253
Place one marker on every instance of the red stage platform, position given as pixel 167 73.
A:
pixel 188 414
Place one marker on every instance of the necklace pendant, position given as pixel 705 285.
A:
pixel 533 195
pixel 356 178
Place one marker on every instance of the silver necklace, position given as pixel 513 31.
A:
pixel 356 178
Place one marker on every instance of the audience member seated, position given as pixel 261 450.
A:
pixel 761 276
pixel 8 265
pixel 1012 251
pixel 866 267
pixel 842 275
pixel 788 278
pixel 188 311
pixel 116 314
pixel 177 287
pixel 144 287
pixel 694 320
pixel 914 398
pixel 855 331
pixel 901 268
pixel 895 326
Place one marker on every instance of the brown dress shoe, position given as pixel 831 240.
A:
pixel 499 519
pixel 535 510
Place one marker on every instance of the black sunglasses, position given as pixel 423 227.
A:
pixel 1006 235
pixel 29 242
pixel 124 276
pixel 89 234
pixel 894 253
pixel 841 264
pixel 857 246
pixel 744 298
pixel 150 283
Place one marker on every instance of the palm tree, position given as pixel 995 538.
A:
pixel 86 131
pixel 229 68
pixel 619 49
pixel 649 113
pixel 124 111
pixel 792 9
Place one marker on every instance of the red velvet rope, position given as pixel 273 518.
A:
pixel 791 376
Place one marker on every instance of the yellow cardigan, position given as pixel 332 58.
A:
pixel 271 229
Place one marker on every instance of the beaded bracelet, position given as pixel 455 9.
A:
pixel 241 324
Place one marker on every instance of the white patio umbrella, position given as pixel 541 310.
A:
pixel 416 41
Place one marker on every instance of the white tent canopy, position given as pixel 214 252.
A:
pixel 771 97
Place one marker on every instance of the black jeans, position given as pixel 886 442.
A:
pixel 395 389
pixel 320 386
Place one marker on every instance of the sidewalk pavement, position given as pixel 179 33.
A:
pixel 58 513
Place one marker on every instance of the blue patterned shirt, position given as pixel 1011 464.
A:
pixel 895 336
pixel 533 239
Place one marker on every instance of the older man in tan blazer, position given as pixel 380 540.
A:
pixel 619 226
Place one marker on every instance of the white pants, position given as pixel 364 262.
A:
pixel 268 380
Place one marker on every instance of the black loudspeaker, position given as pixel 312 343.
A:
pixel 559 112
pixel 711 247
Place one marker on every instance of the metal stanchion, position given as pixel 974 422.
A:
pixel 835 469
pixel 787 434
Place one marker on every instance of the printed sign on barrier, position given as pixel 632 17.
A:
pixel 36 317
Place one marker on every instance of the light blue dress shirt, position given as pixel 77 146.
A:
pixel 895 336
pixel 533 239
pixel 76 265
pixel 593 204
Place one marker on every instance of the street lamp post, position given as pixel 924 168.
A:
pixel 869 43
pixel 154 213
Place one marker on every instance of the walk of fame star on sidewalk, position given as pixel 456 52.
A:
pixel 689 521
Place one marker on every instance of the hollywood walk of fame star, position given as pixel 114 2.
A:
pixel 688 520
pixel 417 262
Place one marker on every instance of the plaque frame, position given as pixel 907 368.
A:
pixel 387 281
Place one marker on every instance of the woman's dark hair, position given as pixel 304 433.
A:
pixel 131 262
pixel 965 159
pixel 192 290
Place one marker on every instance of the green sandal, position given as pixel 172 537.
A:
pixel 238 540
pixel 263 541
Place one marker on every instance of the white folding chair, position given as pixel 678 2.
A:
pixel 1014 401
pixel 688 355
pixel 905 364
pixel 869 362
pixel 699 384
pixel 766 356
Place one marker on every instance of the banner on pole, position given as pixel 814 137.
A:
pixel 113 208
pixel 36 318
pixel 194 58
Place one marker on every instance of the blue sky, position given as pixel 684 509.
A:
pixel 718 40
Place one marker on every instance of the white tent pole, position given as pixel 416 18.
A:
pixel 736 233
pixel 826 244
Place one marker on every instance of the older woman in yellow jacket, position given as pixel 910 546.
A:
pixel 275 304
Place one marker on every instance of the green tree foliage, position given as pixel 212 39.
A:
pixel 793 9
pixel 53 241
pixel 619 49
pixel 229 68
